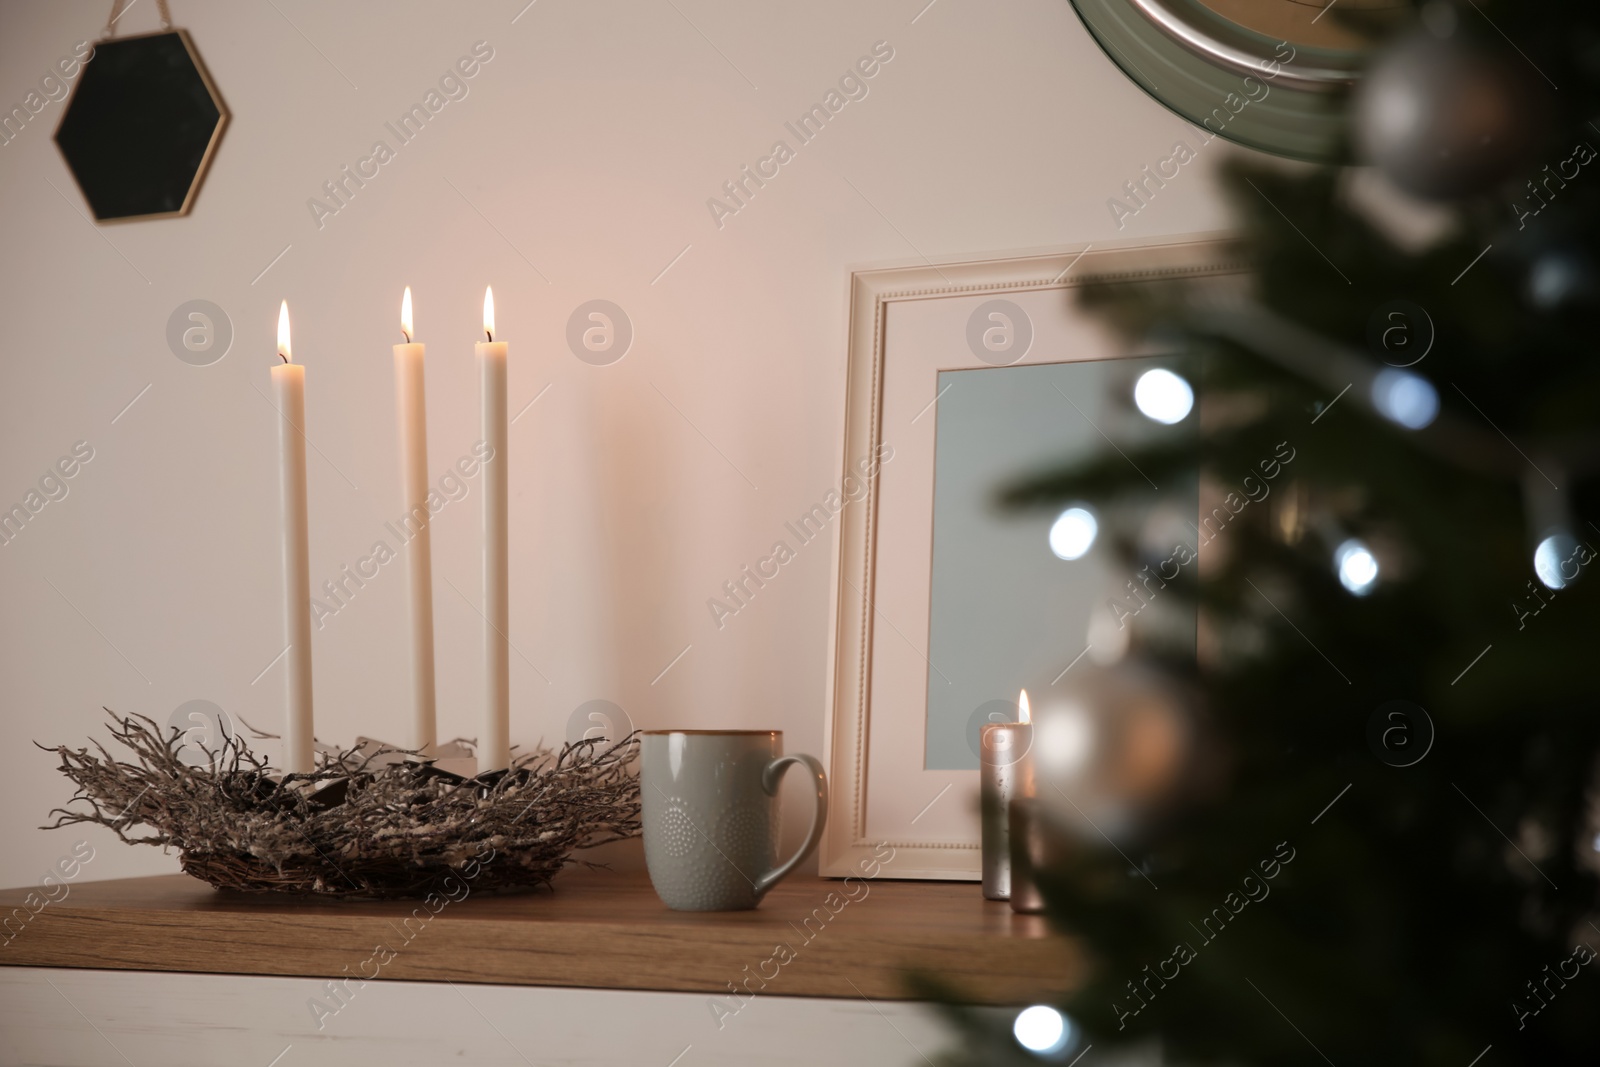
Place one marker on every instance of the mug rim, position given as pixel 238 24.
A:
pixel 723 733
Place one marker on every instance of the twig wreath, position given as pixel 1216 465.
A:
pixel 367 823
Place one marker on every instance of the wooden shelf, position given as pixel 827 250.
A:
pixel 596 929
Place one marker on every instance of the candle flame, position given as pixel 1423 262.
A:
pixel 283 332
pixel 1024 713
pixel 488 312
pixel 405 314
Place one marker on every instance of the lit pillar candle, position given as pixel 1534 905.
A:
pixel 1005 772
pixel 494 744
pixel 289 387
pixel 413 421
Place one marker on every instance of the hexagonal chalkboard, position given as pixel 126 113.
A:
pixel 140 128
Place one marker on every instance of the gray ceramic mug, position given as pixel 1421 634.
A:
pixel 711 815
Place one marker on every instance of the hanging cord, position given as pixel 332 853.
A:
pixel 120 8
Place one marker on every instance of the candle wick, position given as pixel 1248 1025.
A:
pixel 407 336
pixel 489 334
pixel 283 357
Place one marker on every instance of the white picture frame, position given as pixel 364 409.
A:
pixel 906 324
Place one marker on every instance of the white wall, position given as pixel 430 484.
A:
pixel 591 141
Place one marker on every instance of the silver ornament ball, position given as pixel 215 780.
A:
pixel 1445 117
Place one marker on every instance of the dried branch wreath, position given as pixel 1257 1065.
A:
pixel 365 824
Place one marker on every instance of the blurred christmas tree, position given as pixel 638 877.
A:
pixel 1383 846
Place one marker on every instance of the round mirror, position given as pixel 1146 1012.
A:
pixel 1270 74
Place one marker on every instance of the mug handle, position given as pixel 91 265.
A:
pixel 770 777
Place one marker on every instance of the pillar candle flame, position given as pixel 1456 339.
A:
pixel 1024 713
pixel 488 312
pixel 405 315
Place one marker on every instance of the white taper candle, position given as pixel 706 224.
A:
pixel 494 745
pixel 411 408
pixel 289 387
